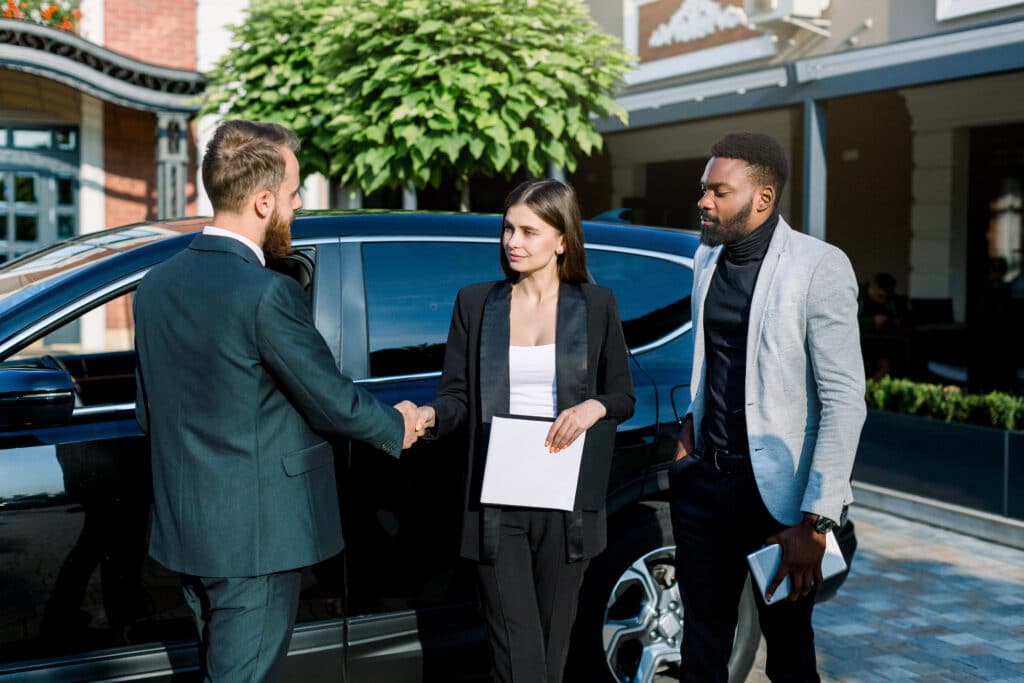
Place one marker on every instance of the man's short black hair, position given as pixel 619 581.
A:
pixel 767 158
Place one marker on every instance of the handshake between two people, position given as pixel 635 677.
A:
pixel 566 428
pixel 417 419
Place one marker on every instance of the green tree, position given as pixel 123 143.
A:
pixel 393 93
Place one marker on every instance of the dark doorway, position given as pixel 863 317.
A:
pixel 995 285
pixel 673 188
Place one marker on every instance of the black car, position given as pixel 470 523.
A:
pixel 79 598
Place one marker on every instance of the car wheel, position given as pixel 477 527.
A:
pixel 630 619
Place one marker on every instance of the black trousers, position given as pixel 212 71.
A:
pixel 718 519
pixel 528 597
pixel 244 624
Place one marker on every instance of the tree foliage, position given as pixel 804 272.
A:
pixel 391 93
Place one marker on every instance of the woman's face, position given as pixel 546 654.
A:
pixel 531 245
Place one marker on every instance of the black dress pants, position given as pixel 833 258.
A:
pixel 528 597
pixel 718 519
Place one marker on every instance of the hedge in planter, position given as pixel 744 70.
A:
pixel 946 403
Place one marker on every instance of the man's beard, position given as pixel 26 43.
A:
pixel 730 231
pixel 277 241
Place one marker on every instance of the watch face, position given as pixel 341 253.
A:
pixel 823 525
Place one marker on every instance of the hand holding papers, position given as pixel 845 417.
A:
pixel 521 471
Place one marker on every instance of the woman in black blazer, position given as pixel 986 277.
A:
pixel 530 561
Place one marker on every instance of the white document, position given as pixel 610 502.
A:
pixel 520 471
pixel 765 562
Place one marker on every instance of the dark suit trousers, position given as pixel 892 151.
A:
pixel 244 624
pixel 528 597
pixel 718 519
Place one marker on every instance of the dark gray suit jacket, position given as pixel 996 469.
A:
pixel 591 361
pixel 237 390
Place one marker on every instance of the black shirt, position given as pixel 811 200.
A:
pixel 726 318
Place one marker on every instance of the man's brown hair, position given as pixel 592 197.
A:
pixel 244 157
pixel 557 205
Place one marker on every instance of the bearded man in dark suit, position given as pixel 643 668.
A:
pixel 237 391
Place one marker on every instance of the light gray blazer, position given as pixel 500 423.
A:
pixel 805 376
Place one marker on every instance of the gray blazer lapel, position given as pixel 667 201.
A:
pixel 494 335
pixel 763 287
pixel 700 294
pixel 571 346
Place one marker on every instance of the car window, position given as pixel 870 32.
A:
pixel 653 293
pixel 410 293
pixel 97 348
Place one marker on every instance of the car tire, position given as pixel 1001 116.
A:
pixel 629 620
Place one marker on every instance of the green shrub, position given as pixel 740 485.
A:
pixel 945 403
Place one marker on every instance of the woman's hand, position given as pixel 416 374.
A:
pixel 428 417
pixel 572 422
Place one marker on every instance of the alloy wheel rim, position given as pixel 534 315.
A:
pixel 643 623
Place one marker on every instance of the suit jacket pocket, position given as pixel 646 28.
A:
pixel 308 459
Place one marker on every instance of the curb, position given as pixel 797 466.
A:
pixel 984 525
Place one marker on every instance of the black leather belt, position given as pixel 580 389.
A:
pixel 726 462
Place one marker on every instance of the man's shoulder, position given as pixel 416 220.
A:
pixel 810 248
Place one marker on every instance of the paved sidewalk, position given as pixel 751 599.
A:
pixel 921 604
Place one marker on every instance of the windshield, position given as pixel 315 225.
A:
pixel 29 274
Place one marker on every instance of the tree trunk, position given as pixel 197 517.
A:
pixel 464 197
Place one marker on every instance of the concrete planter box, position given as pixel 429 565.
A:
pixel 975 467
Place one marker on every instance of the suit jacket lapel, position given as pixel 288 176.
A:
pixel 762 288
pixel 571 346
pixel 494 335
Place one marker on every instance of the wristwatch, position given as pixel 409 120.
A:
pixel 821 524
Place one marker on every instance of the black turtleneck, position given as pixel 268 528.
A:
pixel 726 317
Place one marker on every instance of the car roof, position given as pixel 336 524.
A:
pixel 39 282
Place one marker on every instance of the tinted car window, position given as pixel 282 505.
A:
pixel 653 294
pixel 410 293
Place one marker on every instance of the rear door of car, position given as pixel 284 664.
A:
pixel 79 597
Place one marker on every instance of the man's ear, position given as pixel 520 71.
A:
pixel 263 203
pixel 766 198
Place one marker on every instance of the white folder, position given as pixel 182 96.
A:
pixel 521 471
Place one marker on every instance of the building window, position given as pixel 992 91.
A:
pixel 951 9
pixel 38 187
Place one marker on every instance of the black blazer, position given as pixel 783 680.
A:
pixel 237 390
pixel 590 362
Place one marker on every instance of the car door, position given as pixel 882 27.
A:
pixel 74 507
pixel 75 576
pixel 412 611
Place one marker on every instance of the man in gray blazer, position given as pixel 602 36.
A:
pixel 777 405
pixel 237 391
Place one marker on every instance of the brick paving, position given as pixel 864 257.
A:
pixel 921 604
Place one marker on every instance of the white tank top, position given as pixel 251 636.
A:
pixel 533 389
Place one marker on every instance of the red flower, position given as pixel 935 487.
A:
pixel 48 12
pixel 76 13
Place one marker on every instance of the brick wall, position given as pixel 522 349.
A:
pixel 156 31
pixel 129 151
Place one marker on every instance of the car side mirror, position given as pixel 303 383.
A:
pixel 35 397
